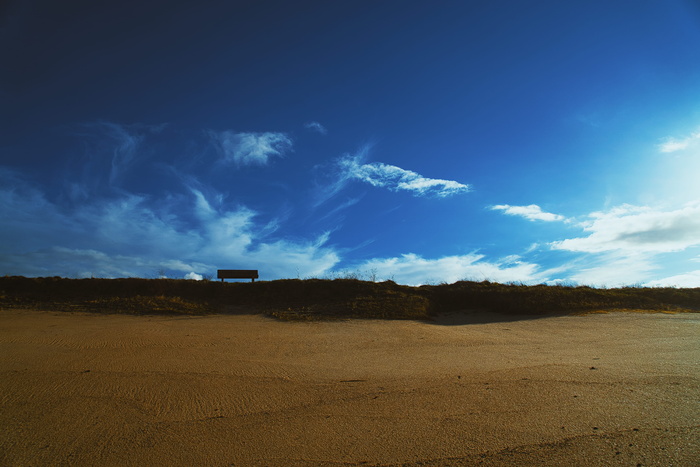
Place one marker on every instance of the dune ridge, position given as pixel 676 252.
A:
pixel 294 299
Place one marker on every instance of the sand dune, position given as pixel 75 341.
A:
pixel 607 389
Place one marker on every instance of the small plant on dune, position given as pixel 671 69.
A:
pixel 372 274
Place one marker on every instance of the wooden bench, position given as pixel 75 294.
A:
pixel 251 274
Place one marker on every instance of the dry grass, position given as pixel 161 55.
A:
pixel 316 299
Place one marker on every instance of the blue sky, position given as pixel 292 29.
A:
pixel 423 142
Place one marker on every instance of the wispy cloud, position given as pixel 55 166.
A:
pixel 341 207
pixel 637 229
pixel 688 279
pixel 250 148
pixel 614 269
pixel 413 269
pixel 332 178
pixel 531 212
pixel 133 235
pixel 127 143
pixel 192 236
pixel 113 149
pixel 82 263
pixel 395 178
pixel 317 127
pixel 671 144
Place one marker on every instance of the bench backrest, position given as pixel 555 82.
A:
pixel 237 274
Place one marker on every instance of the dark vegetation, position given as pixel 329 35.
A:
pixel 312 299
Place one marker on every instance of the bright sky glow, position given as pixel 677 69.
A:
pixel 554 142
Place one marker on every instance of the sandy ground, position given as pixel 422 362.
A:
pixel 609 389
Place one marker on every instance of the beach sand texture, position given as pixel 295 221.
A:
pixel 600 389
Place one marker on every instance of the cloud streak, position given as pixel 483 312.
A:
pixel 531 212
pixel 397 179
pixel 317 127
pixel 112 152
pixel 244 149
pixel 671 144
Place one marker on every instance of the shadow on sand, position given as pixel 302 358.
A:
pixel 467 317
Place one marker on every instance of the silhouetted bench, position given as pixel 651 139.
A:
pixel 251 274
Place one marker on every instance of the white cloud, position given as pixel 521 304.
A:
pixel 395 178
pixel 688 279
pixel 194 276
pixel 315 126
pixel 250 148
pixel 232 237
pixel 412 269
pixel 531 212
pixel 138 236
pixel 637 229
pixel 614 269
pixel 671 144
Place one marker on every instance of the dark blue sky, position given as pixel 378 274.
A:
pixel 510 141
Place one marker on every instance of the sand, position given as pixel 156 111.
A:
pixel 604 389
